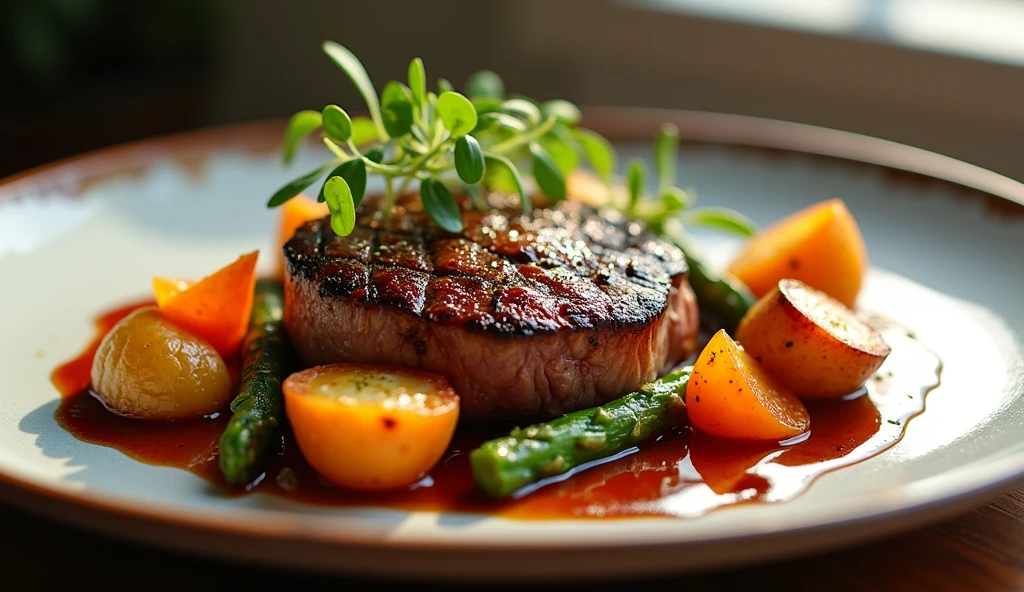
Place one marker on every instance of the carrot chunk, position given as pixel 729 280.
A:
pixel 820 245
pixel 731 396
pixel 216 308
pixel 294 213
pixel 164 289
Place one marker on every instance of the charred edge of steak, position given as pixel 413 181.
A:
pixel 570 266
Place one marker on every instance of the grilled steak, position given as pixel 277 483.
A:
pixel 528 316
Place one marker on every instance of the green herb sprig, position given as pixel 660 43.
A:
pixel 414 134
pixel 480 139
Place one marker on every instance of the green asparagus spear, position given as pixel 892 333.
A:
pixel 258 410
pixel 724 297
pixel 504 465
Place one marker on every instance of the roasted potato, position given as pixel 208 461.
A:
pixel 368 427
pixel 810 341
pixel 149 368
pixel 731 396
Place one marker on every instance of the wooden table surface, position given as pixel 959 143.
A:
pixel 982 551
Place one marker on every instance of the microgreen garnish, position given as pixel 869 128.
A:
pixel 447 141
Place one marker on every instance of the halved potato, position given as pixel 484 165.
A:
pixel 370 427
pixel 730 395
pixel 820 245
pixel 810 341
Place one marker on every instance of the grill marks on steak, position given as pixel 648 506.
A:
pixel 528 317
pixel 565 267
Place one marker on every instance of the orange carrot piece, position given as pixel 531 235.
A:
pixel 164 289
pixel 294 213
pixel 731 396
pixel 820 245
pixel 217 307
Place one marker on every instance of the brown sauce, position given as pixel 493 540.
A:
pixel 681 473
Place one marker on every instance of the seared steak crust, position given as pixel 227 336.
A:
pixel 528 316
pixel 567 267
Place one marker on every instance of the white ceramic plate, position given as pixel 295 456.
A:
pixel 81 236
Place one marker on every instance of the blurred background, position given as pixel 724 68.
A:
pixel 946 75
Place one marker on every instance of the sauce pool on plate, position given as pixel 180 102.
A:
pixel 681 473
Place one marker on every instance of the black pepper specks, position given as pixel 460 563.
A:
pixel 789 344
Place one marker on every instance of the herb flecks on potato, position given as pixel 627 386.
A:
pixel 732 396
pixel 369 427
pixel 813 343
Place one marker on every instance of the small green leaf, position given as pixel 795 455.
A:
pixel 565 112
pixel 666 150
pixel 675 199
pixel 397 119
pixel 485 83
pixel 498 178
pixel 339 201
pixel 506 165
pixel 443 86
pixel 396 109
pixel 488 120
pixel 353 68
pixel 354 173
pixel 296 186
pixel 337 124
pixel 469 159
pixel 562 147
pixel 440 205
pixel 376 155
pixel 722 219
pixel 522 108
pixel 635 180
pixel 546 172
pixel 418 81
pixel 457 113
pixel 599 152
pixel 486 105
pixel 299 127
pixel 363 131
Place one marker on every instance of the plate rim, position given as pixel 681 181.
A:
pixel 957 487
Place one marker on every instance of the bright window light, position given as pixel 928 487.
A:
pixel 982 29
pixel 985 29
pixel 813 15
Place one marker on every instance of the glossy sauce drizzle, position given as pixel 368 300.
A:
pixel 680 473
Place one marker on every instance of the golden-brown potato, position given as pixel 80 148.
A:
pixel 810 341
pixel 368 427
pixel 147 367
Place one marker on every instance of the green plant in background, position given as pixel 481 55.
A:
pixel 483 139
